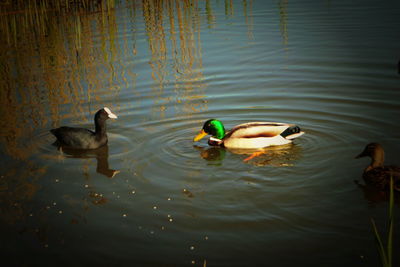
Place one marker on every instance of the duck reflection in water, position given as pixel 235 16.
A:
pixel 101 155
pixel 277 156
pixel 374 195
pixel 212 154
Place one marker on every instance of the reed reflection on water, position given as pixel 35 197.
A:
pixel 164 67
pixel 63 59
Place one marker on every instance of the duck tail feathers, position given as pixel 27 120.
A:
pixel 292 132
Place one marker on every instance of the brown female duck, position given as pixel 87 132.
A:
pixel 377 174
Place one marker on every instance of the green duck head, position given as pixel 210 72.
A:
pixel 212 127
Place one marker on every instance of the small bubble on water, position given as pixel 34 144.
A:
pixel 191 247
pixel 57 180
pixel 170 219
pixel 155 207
pixel 169 216
pixel 54 203
pixel 60 212
pixel 133 192
pixel 169 199
pixel 193 262
pixel 124 215
pixel 31 214
pixel 206 237
pixel 86 185
pixel 151 232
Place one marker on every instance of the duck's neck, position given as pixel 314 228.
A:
pixel 219 130
pixel 378 159
pixel 100 127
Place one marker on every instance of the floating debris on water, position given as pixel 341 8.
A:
pixel 187 193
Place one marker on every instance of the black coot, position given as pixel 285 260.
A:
pixel 80 138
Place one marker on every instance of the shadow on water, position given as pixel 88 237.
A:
pixel 375 196
pixel 276 156
pixel 100 154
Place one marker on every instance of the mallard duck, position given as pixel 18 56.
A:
pixel 252 135
pixel 377 174
pixel 81 138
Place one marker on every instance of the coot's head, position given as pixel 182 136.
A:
pixel 104 114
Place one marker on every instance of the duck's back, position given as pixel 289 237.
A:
pixel 79 138
pixel 257 129
pixel 380 177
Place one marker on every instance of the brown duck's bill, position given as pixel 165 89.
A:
pixel 199 136
pixel 362 154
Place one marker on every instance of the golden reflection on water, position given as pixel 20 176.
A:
pixel 183 39
pixel 249 18
pixel 283 21
pixel 61 60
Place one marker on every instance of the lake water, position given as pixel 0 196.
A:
pixel 152 197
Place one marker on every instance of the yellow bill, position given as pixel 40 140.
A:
pixel 199 136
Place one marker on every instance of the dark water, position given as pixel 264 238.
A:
pixel 154 198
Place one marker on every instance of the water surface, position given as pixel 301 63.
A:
pixel 152 197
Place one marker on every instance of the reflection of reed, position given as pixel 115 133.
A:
pixel 283 20
pixel 210 16
pixel 249 18
pixel 184 36
pixel 229 8
pixel 52 50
